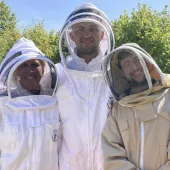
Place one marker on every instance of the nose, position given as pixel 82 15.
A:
pixel 87 34
pixel 134 67
pixel 31 69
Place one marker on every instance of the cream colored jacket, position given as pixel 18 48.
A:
pixel 138 137
pixel 137 132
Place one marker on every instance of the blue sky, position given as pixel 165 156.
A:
pixel 54 12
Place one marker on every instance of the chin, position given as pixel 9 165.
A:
pixel 139 81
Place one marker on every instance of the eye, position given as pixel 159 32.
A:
pixel 94 29
pixel 126 64
pixel 23 65
pixel 35 65
pixel 81 29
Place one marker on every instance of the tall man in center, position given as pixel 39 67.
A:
pixel 83 94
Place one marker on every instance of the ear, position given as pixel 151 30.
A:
pixel 72 36
pixel 101 35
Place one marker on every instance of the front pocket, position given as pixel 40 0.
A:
pixel 52 136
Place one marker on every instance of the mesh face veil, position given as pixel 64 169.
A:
pixel 22 47
pixel 17 80
pixel 28 100
pixel 82 14
pixel 25 70
pixel 129 68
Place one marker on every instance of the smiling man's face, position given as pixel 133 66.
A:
pixel 87 37
pixel 132 69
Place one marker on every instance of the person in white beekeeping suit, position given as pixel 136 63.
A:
pixel 137 132
pixel 29 118
pixel 82 93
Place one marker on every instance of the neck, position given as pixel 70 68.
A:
pixel 88 57
pixel 35 92
pixel 139 87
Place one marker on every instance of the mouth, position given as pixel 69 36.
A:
pixel 137 73
pixel 30 77
pixel 87 41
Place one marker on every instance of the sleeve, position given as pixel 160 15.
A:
pixel 166 166
pixel 114 153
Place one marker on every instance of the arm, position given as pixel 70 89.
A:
pixel 115 157
pixel 166 166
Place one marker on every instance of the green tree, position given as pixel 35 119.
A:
pixel 46 42
pixel 8 29
pixel 148 28
pixel 54 43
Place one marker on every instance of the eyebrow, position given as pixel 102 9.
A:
pixel 83 25
pixel 125 63
pixel 80 26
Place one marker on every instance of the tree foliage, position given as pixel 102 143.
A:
pixel 144 26
pixel 8 30
pixel 46 42
pixel 148 28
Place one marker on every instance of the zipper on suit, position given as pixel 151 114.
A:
pixel 88 124
pixel 142 132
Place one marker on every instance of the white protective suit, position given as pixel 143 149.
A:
pixel 29 124
pixel 82 96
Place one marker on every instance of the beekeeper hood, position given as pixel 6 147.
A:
pixel 15 80
pixel 82 14
pixel 133 75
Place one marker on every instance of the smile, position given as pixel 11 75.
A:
pixel 86 41
pixel 30 77
pixel 136 73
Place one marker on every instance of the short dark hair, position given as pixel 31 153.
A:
pixel 122 55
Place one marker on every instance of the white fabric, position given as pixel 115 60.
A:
pixel 24 45
pixel 30 131
pixel 27 136
pixel 20 91
pixel 82 101
pixel 77 63
pixel 89 13
pixel 28 50
pixel 85 5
